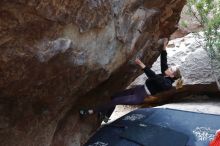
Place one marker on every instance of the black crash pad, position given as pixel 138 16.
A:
pixel 153 135
pixel 199 128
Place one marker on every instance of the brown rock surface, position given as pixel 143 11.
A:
pixel 187 24
pixel 53 52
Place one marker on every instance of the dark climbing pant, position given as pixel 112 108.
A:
pixel 133 96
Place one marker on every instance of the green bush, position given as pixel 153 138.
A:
pixel 207 13
pixel 184 23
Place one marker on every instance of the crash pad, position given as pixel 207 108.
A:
pixel 200 128
pixel 153 135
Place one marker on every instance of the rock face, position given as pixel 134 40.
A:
pixel 187 24
pixel 57 56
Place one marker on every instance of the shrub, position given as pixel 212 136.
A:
pixel 207 13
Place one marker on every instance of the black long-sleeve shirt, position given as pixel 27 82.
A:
pixel 158 82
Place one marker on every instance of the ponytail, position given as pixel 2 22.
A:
pixel 179 83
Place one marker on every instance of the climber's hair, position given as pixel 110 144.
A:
pixel 178 78
pixel 177 74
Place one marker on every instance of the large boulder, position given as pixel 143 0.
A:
pixel 57 56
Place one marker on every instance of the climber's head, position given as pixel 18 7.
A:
pixel 173 72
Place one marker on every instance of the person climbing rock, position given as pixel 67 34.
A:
pixel 154 84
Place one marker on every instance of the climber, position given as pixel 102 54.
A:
pixel 154 84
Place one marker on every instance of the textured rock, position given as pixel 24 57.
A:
pixel 187 24
pixel 53 52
